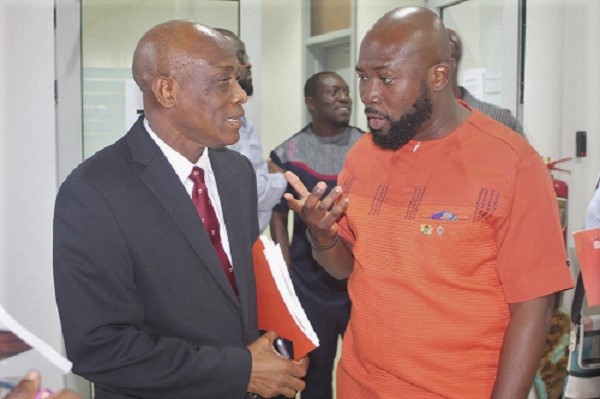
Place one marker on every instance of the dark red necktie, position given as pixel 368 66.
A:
pixel 211 223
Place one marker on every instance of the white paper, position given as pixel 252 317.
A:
pixel 472 80
pixel 7 322
pixel 281 275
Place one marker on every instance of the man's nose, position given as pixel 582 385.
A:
pixel 239 95
pixel 344 96
pixel 370 93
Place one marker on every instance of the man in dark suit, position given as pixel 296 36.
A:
pixel 152 304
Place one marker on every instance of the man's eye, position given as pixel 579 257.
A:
pixel 224 79
pixel 361 77
pixel 387 80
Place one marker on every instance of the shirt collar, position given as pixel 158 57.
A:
pixel 181 165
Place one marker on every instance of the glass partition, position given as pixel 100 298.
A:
pixel 110 32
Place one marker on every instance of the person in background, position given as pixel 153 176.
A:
pixel 153 239
pixel 30 385
pixel 446 223
pixel 317 153
pixel 493 111
pixel 270 186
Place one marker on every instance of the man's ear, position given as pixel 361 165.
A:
pixel 310 103
pixel 440 76
pixel 164 91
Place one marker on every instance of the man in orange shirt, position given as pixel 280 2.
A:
pixel 445 222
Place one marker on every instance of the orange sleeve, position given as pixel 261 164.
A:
pixel 531 251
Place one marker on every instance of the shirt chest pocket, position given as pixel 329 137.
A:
pixel 451 242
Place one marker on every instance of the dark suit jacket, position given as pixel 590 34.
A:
pixel 145 307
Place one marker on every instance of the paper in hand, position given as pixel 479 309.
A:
pixel 279 308
pixel 17 339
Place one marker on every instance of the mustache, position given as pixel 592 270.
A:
pixel 369 110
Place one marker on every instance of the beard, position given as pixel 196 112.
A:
pixel 404 129
pixel 246 84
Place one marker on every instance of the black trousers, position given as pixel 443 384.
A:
pixel 329 322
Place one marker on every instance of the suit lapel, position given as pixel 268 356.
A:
pixel 162 181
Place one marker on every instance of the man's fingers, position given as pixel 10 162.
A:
pixel 298 385
pixel 292 387
pixel 270 335
pixel 296 184
pixel 27 387
pixel 288 392
pixel 314 198
pixel 66 394
pixel 338 209
pixel 331 198
pixel 298 371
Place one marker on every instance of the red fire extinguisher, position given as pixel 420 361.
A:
pixel 562 192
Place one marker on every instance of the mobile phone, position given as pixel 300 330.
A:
pixel 281 348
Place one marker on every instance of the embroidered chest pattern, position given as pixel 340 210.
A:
pixel 486 204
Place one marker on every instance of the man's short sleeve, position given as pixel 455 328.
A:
pixel 531 251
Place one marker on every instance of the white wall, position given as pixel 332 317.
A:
pixel 581 101
pixel 282 98
pixel 3 155
pixel 111 31
pixel 28 172
pixel 562 91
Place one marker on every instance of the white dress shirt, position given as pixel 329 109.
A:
pixel 183 168
pixel 270 186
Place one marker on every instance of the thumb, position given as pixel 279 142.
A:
pixel 27 387
pixel 270 336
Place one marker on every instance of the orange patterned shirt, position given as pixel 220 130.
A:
pixel 445 234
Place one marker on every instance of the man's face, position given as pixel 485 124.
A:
pixel 394 91
pixel 332 102
pixel 401 131
pixel 208 97
pixel 245 74
pixel 245 71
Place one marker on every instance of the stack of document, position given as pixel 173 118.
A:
pixel 279 308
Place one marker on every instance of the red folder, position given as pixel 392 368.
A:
pixel 587 246
pixel 273 313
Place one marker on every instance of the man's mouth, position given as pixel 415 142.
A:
pixel 235 121
pixel 344 110
pixel 377 123
pixel 376 119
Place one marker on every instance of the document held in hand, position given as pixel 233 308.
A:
pixel 21 350
pixel 587 246
pixel 279 309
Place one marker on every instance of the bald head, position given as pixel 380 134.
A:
pixel 168 47
pixel 455 44
pixel 230 36
pixel 415 32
